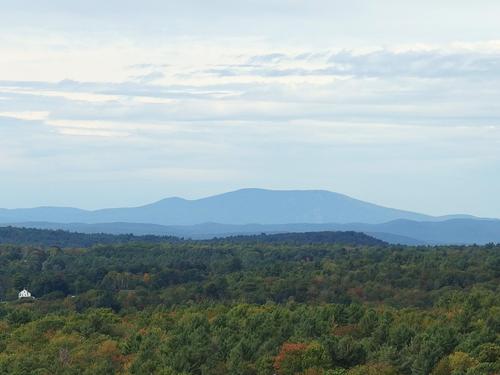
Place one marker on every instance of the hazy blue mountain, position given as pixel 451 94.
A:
pixel 454 231
pixel 238 207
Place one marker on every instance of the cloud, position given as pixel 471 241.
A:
pixel 149 77
pixel 384 63
pixel 453 85
pixel 27 115
pixel 267 58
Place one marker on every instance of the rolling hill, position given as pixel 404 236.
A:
pixel 60 238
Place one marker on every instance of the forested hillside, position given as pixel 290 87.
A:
pixel 326 237
pixel 59 238
pixel 46 237
pixel 246 307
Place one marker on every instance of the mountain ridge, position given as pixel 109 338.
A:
pixel 243 206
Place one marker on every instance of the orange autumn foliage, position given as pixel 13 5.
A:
pixel 288 349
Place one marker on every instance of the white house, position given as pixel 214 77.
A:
pixel 24 294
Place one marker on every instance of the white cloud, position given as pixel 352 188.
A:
pixel 27 115
pixel 90 132
pixel 70 95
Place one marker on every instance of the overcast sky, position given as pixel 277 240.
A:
pixel 120 103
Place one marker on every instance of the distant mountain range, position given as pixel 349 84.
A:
pixel 244 206
pixel 254 211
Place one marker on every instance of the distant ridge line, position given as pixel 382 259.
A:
pixel 240 207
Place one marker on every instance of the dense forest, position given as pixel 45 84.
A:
pixel 255 306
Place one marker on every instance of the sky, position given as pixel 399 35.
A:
pixel 121 103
